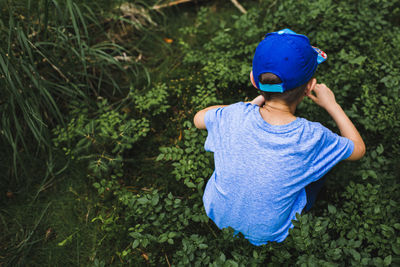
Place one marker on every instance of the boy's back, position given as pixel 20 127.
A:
pixel 261 170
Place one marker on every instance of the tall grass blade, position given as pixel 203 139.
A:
pixel 55 52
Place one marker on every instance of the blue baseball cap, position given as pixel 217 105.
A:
pixel 289 56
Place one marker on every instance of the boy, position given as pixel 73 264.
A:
pixel 267 160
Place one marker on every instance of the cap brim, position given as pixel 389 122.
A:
pixel 322 56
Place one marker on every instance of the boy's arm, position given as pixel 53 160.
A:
pixel 199 117
pixel 325 98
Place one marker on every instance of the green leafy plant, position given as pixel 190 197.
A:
pixel 145 161
pixel 53 52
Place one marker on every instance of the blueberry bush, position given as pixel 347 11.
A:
pixel 357 219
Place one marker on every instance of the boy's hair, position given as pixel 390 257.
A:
pixel 290 96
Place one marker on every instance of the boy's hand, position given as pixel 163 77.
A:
pixel 326 99
pixel 324 96
pixel 259 101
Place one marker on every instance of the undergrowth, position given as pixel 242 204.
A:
pixel 132 192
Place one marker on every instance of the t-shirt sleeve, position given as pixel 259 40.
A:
pixel 218 121
pixel 332 149
pixel 211 120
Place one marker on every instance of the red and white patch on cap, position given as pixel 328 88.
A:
pixel 322 56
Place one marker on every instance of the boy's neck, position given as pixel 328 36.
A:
pixel 281 106
pixel 278 112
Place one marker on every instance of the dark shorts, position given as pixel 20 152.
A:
pixel 312 191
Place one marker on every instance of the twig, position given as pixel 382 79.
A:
pixel 51 64
pixel 239 6
pixel 212 231
pixel 169 264
pixel 87 215
pixel 177 2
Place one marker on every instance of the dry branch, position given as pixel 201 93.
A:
pixel 177 2
pixel 239 6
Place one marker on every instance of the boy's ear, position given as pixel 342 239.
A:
pixel 310 86
pixel 252 79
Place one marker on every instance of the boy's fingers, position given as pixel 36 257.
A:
pixel 260 97
pixel 318 86
pixel 313 97
pixel 259 100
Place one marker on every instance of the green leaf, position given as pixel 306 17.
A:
pixel 380 149
pixel 160 157
pixel 203 246
pixel 365 261
pixel 231 263
pixel 396 249
pixel 388 260
pixel 66 241
pixel 190 185
pixel 155 200
pixel 163 238
pixel 355 254
pixel 171 234
pixel 331 209
pixel 142 200
pixel 358 60
pixel 135 243
pixel 255 254
pixel 222 257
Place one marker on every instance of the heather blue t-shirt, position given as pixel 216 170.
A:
pixel 261 170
